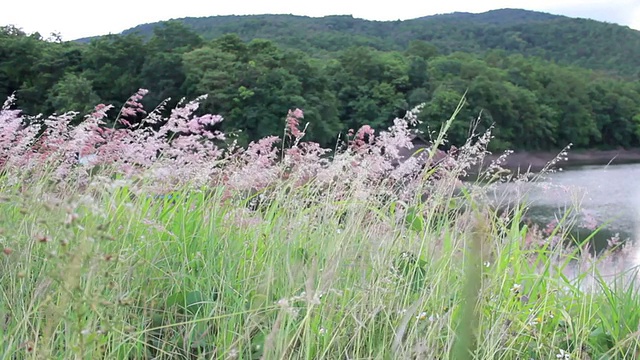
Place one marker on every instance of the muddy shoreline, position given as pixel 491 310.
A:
pixel 536 161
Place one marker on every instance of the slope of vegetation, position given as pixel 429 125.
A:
pixel 535 104
pixel 586 43
pixel 162 246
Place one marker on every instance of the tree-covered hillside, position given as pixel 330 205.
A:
pixel 534 104
pixel 587 43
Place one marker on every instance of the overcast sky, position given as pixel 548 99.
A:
pixel 80 18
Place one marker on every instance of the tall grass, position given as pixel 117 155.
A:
pixel 292 267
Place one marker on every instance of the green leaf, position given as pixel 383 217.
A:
pixel 191 301
pixel 413 220
pixel 600 340
pixel 413 269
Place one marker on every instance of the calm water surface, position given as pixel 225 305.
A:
pixel 608 196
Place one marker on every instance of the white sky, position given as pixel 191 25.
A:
pixel 80 18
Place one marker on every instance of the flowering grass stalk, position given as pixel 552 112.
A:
pixel 171 244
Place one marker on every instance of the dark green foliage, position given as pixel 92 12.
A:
pixel 412 270
pixel 186 301
pixel 586 43
pixel 254 85
pixel 162 71
pixel 114 64
pixel 345 73
pixel 73 93
pixel 30 66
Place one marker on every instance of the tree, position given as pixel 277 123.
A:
pixel 422 50
pixel 73 93
pixel 254 85
pixel 163 71
pixel 113 64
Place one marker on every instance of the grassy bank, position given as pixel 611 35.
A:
pixel 334 265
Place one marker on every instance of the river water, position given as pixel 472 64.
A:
pixel 606 197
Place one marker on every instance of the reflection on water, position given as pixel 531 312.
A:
pixel 607 196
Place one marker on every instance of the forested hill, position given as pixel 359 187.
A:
pixel 586 43
pixel 534 104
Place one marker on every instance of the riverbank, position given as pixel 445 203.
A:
pixel 536 161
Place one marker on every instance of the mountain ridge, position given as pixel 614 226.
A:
pixel 610 48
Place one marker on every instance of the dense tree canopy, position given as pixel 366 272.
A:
pixel 534 104
pixel 587 43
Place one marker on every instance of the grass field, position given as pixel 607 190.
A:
pixel 299 258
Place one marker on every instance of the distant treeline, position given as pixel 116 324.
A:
pixel 535 105
pixel 591 44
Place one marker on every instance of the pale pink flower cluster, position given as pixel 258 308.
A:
pixel 183 143
pixel 133 108
pixel 293 124
pixel 254 168
pixel 589 221
pixel 187 149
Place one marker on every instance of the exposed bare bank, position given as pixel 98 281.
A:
pixel 536 161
